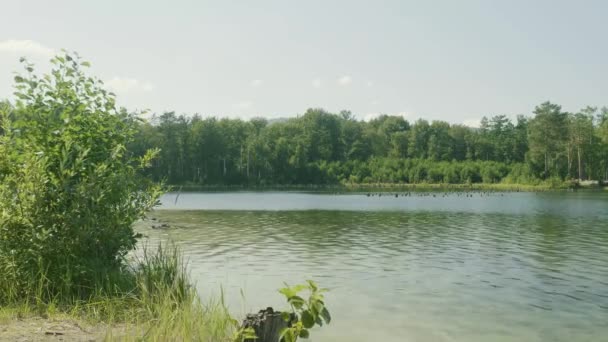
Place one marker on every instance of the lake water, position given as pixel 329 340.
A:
pixel 424 267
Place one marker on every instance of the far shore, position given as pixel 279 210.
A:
pixel 362 187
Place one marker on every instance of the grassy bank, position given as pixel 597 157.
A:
pixel 356 187
pixel 153 300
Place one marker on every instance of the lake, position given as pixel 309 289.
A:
pixel 417 267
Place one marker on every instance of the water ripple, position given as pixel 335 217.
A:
pixel 452 275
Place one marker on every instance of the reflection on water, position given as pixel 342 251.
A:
pixel 444 271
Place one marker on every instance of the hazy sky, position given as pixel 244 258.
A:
pixel 449 60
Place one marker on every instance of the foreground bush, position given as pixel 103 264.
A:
pixel 69 191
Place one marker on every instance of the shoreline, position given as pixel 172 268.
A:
pixel 362 187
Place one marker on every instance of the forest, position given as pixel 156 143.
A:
pixel 319 147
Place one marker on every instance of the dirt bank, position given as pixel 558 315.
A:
pixel 41 329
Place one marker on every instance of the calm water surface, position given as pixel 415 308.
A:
pixel 499 267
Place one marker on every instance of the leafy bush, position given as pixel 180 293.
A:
pixel 69 191
pixel 521 173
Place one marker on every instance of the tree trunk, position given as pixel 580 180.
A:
pixel 569 161
pixel 241 160
pixel 580 171
pixel 546 165
pixel 267 324
pixel 247 162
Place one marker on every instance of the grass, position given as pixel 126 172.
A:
pixel 160 304
pixel 545 186
pixel 460 187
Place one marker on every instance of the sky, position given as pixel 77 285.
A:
pixel 441 60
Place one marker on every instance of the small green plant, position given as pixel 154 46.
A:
pixel 244 334
pixel 305 314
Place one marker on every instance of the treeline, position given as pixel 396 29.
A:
pixel 319 147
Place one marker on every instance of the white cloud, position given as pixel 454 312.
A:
pixel 374 102
pixel 345 80
pixel 316 83
pixel 256 83
pixel 125 85
pixel 472 122
pixel 370 83
pixel 243 105
pixel 26 47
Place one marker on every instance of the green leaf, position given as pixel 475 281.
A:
pixel 297 301
pixel 304 333
pixel 326 316
pixel 298 288
pixel 287 335
pixel 313 285
pixel 317 307
pixel 287 292
pixel 319 321
pixel 249 334
pixel 307 319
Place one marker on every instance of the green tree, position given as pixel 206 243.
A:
pixel 458 136
pixel 418 145
pixel 356 144
pixel 547 136
pixel 483 142
pixel 521 139
pixel 602 134
pixel 71 191
pixel 581 131
pixel 440 141
pixel 399 141
pixel 320 146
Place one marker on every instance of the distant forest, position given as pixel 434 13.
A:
pixel 549 147
pixel 319 147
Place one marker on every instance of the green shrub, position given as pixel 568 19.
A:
pixel 69 191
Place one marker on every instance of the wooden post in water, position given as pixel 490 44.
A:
pixel 267 324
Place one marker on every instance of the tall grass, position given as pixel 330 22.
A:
pixel 153 299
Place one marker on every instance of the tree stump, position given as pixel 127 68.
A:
pixel 267 325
